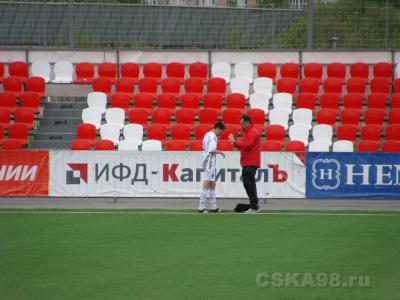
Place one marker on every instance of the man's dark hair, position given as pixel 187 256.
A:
pixel 219 125
pixel 246 118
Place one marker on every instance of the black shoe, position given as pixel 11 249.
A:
pixel 216 210
pixel 202 211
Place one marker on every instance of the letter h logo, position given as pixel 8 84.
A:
pixel 326 174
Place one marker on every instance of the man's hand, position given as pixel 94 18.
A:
pixel 231 138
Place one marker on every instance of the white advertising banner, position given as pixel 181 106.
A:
pixel 168 174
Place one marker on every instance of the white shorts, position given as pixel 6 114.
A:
pixel 209 171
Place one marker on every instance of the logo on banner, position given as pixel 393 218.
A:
pixel 326 174
pixel 79 172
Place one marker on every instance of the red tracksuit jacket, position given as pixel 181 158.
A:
pixel 249 146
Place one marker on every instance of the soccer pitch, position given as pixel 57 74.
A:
pixel 134 254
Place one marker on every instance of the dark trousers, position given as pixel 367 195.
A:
pixel 249 183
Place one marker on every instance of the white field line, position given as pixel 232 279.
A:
pixel 195 213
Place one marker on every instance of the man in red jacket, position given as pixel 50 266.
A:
pixel 250 159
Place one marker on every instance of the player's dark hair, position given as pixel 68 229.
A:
pixel 246 118
pixel 219 125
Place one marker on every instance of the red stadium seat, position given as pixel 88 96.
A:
pixel 174 145
pixel 336 70
pixel 236 100
pixel 176 70
pixel 84 73
pixel 1 134
pixel 326 116
pixel 356 85
pixel 313 70
pixel 12 144
pixel 295 146
pixel 306 100
pixel 36 85
pixel 287 85
pixel 161 116
pixel 216 85
pixel 194 85
pixel 18 69
pixel 138 116
pixel 374 116
pixel 148 85
pixel 13 85
pixel 275 133
pixel 120 100
pixel 171 85
pixel 329 100
pixel 396 85
pixel 290 70
pixel 153 70
pixel 257 117
pixel 79 144
pixel 103 85
pixel 185 116
pixel 333 85
pixel 353 100
pixel 108 70
pixel 130 70
pixel 383 69
pixel 392 132
pixel 380 85
pixel 377 100
pixel 190 100
pixel 196 145
pixel 224 145
pixel 347 132
pixel 30 100
pixel 18 132
pixel 212 100
pixel 5 116
pixel 166 100
pixel 181 132
pixel 271 146
pixel 8 101
pixel 394 116
pixel 24 116
pixel 395 101
pixel 309 85
pixel 371 132
pixel 86 131
pixel 125 86
pixel 367 146
pixel 350 116
pixel 231 116
pixel 359 69
pixel 201 130
pixel 157 132
pixel 391 146
pixel 199 70
pixel 208 116
pixel 104 145
pixel 144 101
pixel 267 70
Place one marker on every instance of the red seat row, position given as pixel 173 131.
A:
pixel 15 85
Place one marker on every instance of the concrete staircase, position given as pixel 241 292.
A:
pixel 57 127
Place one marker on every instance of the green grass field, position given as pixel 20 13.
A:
pixel 162 255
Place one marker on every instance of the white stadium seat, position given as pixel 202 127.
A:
pixel 41 69
pixel 283 101
pixel 116 116
pixel 323 132
pixel 299 133
pixel 110 132
pixel 343 146
pixel 128 145
pixel 302 116
pixel 279 117
pixel 318 146
pixel 133 132
pixel 152 145
pixel 259 101
pixel 241 86
pixel 97 100
pixel 244 70
pixel 221 69
pixel 63 71
pixel 92 116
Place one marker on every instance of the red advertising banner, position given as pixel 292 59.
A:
pixel 24 173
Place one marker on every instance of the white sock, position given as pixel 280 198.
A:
pixel 203 199
pixel 213 200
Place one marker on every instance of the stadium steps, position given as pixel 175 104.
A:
pixel 58 125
